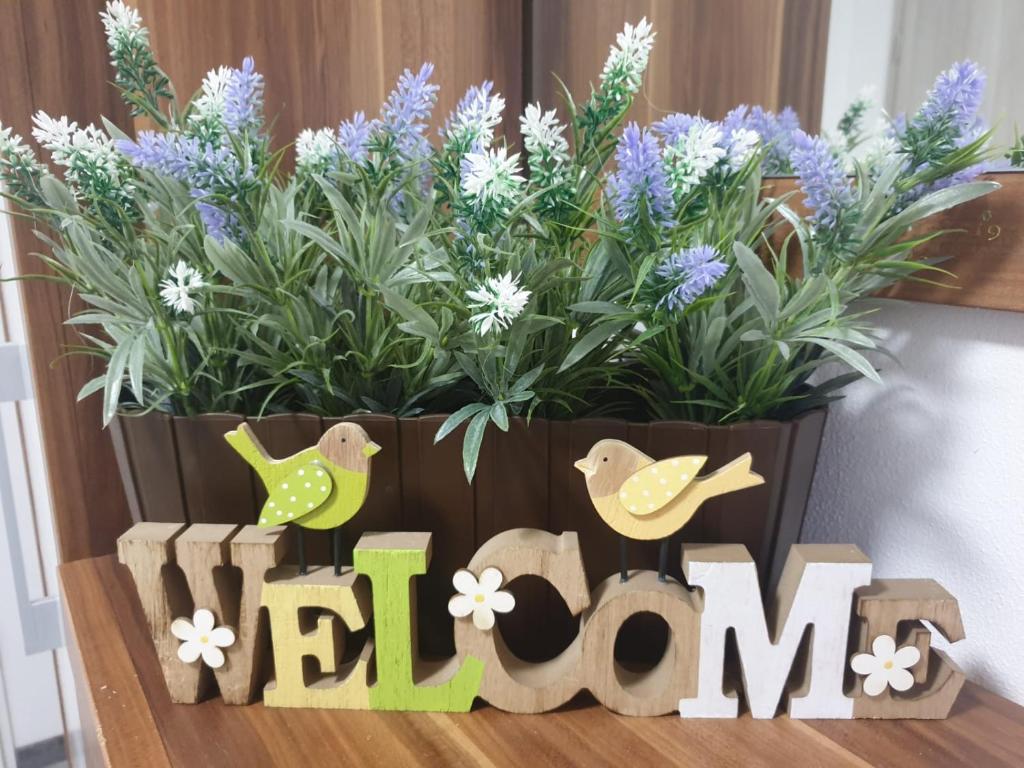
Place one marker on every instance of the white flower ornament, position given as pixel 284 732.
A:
pixel 481 598
pixel 885 666
pixel 201 638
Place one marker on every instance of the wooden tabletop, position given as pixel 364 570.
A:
pixel 133 722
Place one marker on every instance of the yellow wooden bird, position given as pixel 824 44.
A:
pixel 641 498
pixel 319 488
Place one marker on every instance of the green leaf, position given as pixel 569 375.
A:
pixel 525 381
pixel 500 416
pixel 91 387
pixel 113 380
pixel 452 422
pixel 420 323
pixel 596 308
pixel 591 340
pixel 474 439
pixel 759 281
pixel 849 356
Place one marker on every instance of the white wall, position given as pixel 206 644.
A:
pixel 926 471
pixel 859 45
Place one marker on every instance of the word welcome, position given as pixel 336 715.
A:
pixel 814 674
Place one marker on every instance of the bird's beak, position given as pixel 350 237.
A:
pixel 370 449
pixel 585 467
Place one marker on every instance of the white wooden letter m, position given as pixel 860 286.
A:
pixel 816 589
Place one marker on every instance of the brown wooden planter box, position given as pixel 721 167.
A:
pixel 181 469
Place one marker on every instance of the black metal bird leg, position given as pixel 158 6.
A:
pixel 336 535
pixel 302 551
pixel 663 560
pixel 623 560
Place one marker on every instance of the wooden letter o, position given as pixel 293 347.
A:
pixel 509 683
pixel 657 691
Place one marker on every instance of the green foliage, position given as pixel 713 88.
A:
pixel 375 282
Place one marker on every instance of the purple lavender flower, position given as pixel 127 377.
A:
pixel 638 188
pixel 822 179
pixel 673 127
pixel 207 169
pixel 354 137
pixel 407 110
pixel 200 164
pixel 243 99
pixel 948 120
pixel 954 98
pixel 219 224
pixel 777 132
pixel 690 272
pixel 470 128
pixel 736 119
pixel 158 152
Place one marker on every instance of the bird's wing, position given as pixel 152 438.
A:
pixel 299 494
pixel 649 489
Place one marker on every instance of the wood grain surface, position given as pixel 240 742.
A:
pixel 325 59
pixel 708 56
pixel 135 722
pixel 53 57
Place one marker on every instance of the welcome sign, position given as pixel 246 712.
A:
pixel 831 643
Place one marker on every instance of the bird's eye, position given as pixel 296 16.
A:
pixel 344 439
pixel 605 459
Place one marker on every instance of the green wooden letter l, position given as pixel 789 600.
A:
pixel 390 561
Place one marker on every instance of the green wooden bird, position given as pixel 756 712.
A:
pixel 321 487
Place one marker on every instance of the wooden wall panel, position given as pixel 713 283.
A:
pixel 709 55
pixel 325 59
pixel 53 57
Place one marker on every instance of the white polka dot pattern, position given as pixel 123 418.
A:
pixel 293 498
pixel 654 486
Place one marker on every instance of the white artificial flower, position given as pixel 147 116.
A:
pixel 201 638
pixel 696 153
pixel 481 598
pixel 209 104
pixel 52 133
pixel 627 60
pixel 542 133
pixel 502 301
pixel 176 291
pixel 742 145
pixel 88 153
pixel 315 150
pixel 491 176
pixel 121 23
pixel 885 666
pixel 11 144
pixel 478 115
pixel 880 152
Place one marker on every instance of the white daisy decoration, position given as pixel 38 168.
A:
pixel 501 301
pixel 176 291
pixel 200 638
pixel 885 666
pixel 481 598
